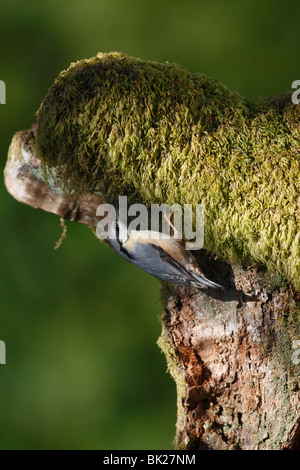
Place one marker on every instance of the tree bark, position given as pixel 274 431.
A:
pixel 231 358
pixel 233 355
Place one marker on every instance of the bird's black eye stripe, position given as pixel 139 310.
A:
pixel 122 249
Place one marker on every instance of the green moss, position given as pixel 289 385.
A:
pixel 157 133
pixel 277 281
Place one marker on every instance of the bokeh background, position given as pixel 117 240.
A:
pixel 80 324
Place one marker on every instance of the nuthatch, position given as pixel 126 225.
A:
pixel 165 258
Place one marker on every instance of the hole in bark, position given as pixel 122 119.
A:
pixel 215 269
pixel 197 396
pixel 295 445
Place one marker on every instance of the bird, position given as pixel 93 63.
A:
pixel 165 258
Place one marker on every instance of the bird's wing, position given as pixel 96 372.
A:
pixel 156 261
pixel 153 259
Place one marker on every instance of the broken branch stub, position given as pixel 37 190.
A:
pixel 28 182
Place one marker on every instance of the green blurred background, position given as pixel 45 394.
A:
pixel 80 324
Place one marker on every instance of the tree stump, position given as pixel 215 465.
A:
pixel 231 358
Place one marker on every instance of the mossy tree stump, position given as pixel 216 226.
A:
pixel 115 125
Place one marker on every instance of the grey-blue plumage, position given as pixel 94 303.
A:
pixel 164 258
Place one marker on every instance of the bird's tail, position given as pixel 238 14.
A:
pixel 202 281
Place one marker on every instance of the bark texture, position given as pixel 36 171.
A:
pixel 231 358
